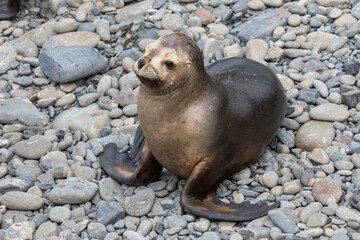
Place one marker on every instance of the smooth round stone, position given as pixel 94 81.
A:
pixel 292 187
pixel 309 210
pixel 33 148
pixel 256 5
pixel 256 49
pixel 109 189
pixel 323 90
pixel 173 22
pixel 130 110
pixel 314 134
pixel 335 98
pixel 270 179
pixel 88 99
pixel 202 225
pixel 234 50
pixel 96 230
pixel 278 32
pixel 115 113
pixel 72 191
pixel 83 10
pixel 294 20
pixel 289 36
pixel 175 221
pixel 273 3
pixel 325 40
pixel 50 92
pixel 317 220
pixel 65 100
pixel 28 170
pixel 27 49
pixel 103 29
pixel 326 191
pixel 45 230
pixel 319 156
pixel 85 172
pixel 329 112
pixel 344 165
pixel 18 32
pixel 347 214
pixel 348 79
pixel 21 201
pixel 139 204
pixel 219 29
pixel 131 235
pixel 335 13
pixel 59 214
pixel 66 25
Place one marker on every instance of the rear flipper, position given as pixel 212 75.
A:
pixel 119 166
pixel 199 198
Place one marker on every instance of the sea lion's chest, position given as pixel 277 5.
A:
pixel 178 140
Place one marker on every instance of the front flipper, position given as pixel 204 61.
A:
pixel 118 166
pixel 199 197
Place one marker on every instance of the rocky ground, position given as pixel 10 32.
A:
pixel 67 88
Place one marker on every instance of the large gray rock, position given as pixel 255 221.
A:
pixel 263 25
pixel 21 110
pixel 68 64
pixel 89 119
pixel 73 191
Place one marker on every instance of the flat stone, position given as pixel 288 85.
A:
pixel 72 191
pixel 326 191
pixel 329 112
pixel 133 14
pixel 33 148
pixel 89 119
pixel 140 203
pixel 315 134
pixel 283 222
pixel 261 26
pixel 21 201
pixel 348 214
pixel 68 64
pixel 21 110
pixel 109 212
pixel 78 38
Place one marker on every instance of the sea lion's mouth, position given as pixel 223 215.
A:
pixel 148 75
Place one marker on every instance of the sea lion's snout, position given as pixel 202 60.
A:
pixel 141 63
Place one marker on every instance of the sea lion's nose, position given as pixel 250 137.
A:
pixel 141 63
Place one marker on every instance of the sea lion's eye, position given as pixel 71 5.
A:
pixel 169 64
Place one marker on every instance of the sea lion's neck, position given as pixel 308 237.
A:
pixel 175 98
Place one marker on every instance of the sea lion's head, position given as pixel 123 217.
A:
pixel 169 63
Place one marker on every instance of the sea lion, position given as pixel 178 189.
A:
pixel 203 125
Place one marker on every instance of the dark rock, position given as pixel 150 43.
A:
pixel 351 66
pixel 261 26
pixel 308 95
pixel 354 150
pixel 354 201
pixel 109 212
pixel 45 181
pixel 68 64
pixel 306 176
pixel 105 131
pixel 350 95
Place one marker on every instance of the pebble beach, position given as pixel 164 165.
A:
pixel 67 88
